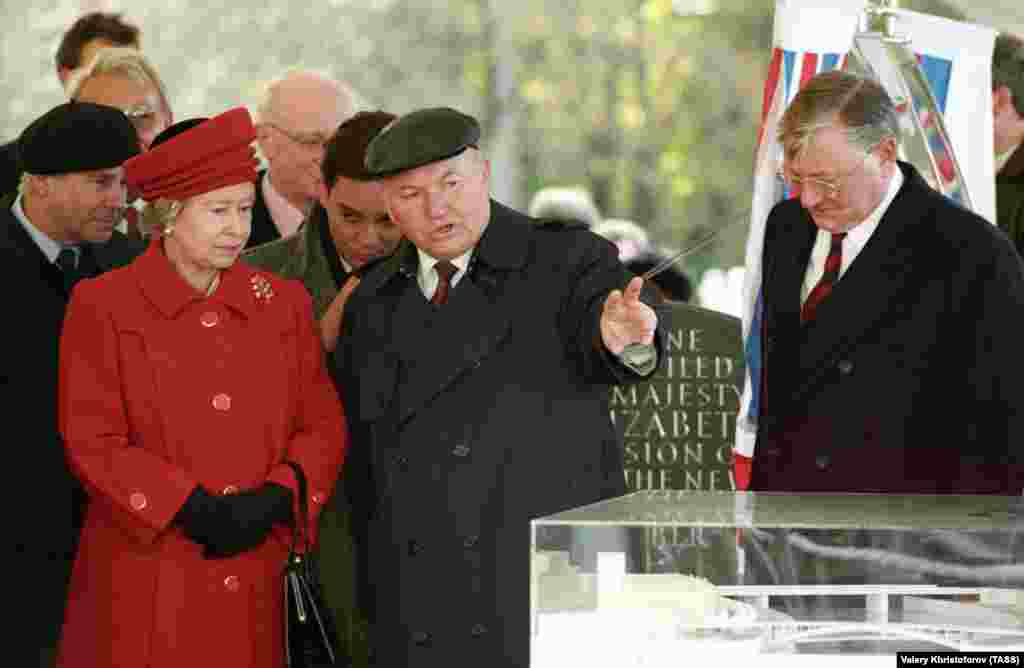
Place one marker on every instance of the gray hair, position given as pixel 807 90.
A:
pixel 566 204
pixel 125 61
pixel 859 105
pixel 159 216
pixel 619 229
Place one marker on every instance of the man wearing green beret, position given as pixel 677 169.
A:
pixel 348 228
pixel 475 364
pixel 56 230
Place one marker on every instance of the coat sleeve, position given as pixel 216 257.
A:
pixel 996 374
pixel 595 271
pixel 145 489
pixel 320 439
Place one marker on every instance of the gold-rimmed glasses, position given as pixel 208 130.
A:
pixel 143 116
pixel 830 187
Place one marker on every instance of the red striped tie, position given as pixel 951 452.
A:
pixel 832 264
pixel 445 270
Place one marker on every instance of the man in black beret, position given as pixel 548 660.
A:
pixel 475 364
pixel 58 229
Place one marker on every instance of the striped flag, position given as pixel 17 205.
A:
pixel 810 39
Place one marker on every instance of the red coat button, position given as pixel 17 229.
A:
pixel 320 498
pixel 209 319
pixel 232 583
pixel 230 489
pixel 138 500
pixel 222 402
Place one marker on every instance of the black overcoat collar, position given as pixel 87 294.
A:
pixel 876 287
pixel 437 347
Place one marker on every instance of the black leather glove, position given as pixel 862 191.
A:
pixel 229 525
pixel 202 517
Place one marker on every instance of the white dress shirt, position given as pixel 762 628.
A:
pixel 428 278
pixel 287 219
pixel 854 242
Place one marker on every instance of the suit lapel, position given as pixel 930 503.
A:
pixel 874 288
pixel 784 270
pixel 440 345
pixel 437 346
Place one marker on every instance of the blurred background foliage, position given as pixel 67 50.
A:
pixel 652 105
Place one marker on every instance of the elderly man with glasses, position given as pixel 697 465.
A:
pixel 123 78
pixel 890 352
pixel 298 114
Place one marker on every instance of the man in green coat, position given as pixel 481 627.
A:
pixel 347 231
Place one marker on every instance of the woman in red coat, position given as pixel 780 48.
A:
pixel 187 381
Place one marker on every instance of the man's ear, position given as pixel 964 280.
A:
pixel 888 151
pixel 1002 100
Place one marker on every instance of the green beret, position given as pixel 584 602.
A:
pixel 419 138
pixel 77 137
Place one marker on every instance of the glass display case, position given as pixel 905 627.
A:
pixel 662 578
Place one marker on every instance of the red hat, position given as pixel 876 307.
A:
pixel 213 154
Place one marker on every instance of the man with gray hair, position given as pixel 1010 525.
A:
pixel 297 116
pixel 891 361
pixel 1008 131
pixel 631 239
pixel 565 204
pixel 123 78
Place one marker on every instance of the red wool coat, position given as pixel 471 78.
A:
pixel 160 390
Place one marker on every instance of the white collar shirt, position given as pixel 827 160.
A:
pixel 854 242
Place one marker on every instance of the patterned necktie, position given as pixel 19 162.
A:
pixel 832 264
pixel 445 270
pixel 67 261
pixel 131 220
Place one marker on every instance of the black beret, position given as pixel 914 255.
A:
pixel 77 137
pixel 172 131
pixel 419 138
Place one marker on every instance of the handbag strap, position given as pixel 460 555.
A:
pixel 300 527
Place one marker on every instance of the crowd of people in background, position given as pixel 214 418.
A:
pixel 202 303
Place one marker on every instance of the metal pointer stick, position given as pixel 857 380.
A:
pixel 665 264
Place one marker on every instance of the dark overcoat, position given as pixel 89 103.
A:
pixel 46 503
pixel 470 420
pixel 263 228
pixel 10 170
pixel 1010 198
pixel 910 378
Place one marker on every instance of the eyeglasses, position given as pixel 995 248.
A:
pixel 828 187
pixel 142 116
pixel 313 140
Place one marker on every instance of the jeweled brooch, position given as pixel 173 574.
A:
pixel 261 288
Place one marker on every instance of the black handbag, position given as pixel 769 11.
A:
pixel 309 630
